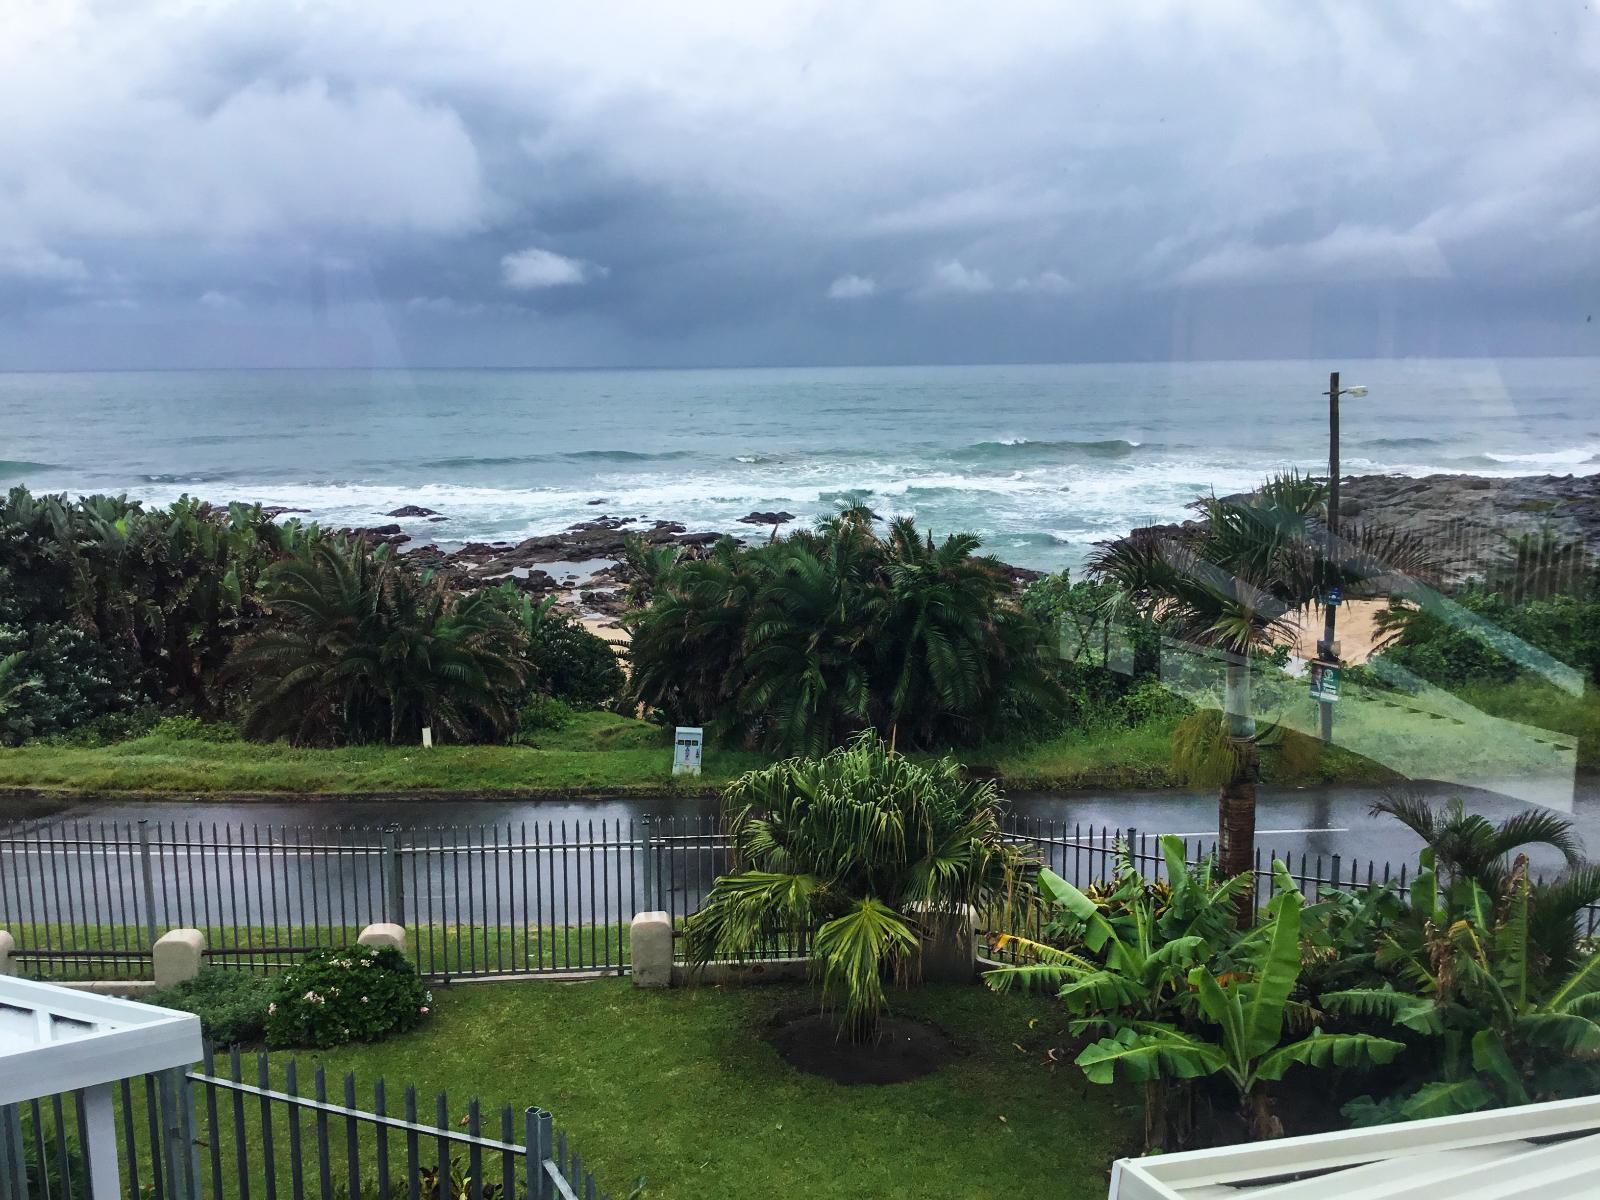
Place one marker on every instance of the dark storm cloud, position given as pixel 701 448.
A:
pixel 636 183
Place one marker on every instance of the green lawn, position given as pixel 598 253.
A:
pixel 1384 735
pixel 597 752
pixel 680 1088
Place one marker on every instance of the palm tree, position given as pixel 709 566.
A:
pixel 360 649
pixel 872 852
pixel 1232 583
pixel 686 646
pixel 805 641
pixel 1466 845
pixel 952 641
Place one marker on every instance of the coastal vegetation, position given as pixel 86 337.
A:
pixel 800 643
pixel 1470 989
pixel 156 650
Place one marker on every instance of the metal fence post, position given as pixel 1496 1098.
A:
pixel 395 891
pixel 538 1144
pixel 13 1167
pixel 149 882
pixel 646 823
pixel 178 1152
pixel 1335 872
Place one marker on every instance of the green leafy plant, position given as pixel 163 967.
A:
pixel 867 848
pixel 231 1004
pixel 1126 953
pixel 354 994
pixel 1245 1013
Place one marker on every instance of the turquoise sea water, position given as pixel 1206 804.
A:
pixel 1042 461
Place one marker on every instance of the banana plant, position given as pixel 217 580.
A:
pixel 1128 953
pixel 1508 1031
pixel 1245 1014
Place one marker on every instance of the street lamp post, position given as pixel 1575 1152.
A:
pixel 1328 647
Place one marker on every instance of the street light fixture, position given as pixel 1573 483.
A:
pixel 1328 647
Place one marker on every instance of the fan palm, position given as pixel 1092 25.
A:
pixel 1232 583
pixel 868 849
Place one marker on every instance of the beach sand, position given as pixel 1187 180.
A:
pixel 1356 632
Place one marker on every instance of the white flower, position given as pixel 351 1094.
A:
pixel 271 1008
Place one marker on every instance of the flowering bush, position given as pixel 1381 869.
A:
pixel 354 994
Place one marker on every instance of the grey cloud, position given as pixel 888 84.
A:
pixel 1029 182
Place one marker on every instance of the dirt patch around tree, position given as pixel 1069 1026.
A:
pixel 904 1049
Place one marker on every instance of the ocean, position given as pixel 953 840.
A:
pixel 1041 461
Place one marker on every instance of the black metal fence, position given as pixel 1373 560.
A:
pixel 88 900
pixel 255 1130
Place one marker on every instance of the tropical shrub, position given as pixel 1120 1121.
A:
pixel 803 642
pixel 162 593
pixel 360 648
pixel 570 664
pixel 231 1005
pixel 1246 1008
pixel 1436 645
pixel 55 678
pixel 1508 1029
pixel 354 994
pixel 867 850
pixel 540 713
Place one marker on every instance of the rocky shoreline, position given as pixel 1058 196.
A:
pixel 1468 520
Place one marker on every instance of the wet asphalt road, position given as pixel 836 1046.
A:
pixel 1303 821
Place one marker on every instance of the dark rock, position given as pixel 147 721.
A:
pixel 1468 522
pixel 379 535
pixel 274 510
pixel 767 518
pixel 436 520
pixel 594 502
pixel 412 510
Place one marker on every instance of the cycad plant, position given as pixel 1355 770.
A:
pixel 1232 583
pixel 359 648
pixel 868 851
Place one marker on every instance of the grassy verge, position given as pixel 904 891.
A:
pixel 1382 735
pixel 679 1089
pixel 597 752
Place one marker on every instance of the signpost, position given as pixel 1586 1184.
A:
pixel 686 747
pixel 1325 681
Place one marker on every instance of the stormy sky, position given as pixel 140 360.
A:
pixel 737 182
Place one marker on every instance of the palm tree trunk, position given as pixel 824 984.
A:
pixel 1236 806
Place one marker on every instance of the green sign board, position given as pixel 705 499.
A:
pixel 1325 681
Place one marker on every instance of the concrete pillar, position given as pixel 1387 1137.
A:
pixel 383 934
pixel 8 947
pixel 650 942
pixel 949 951
pixel 177 956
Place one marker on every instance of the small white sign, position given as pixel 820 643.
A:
pixel 686 748
pixel 427 737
